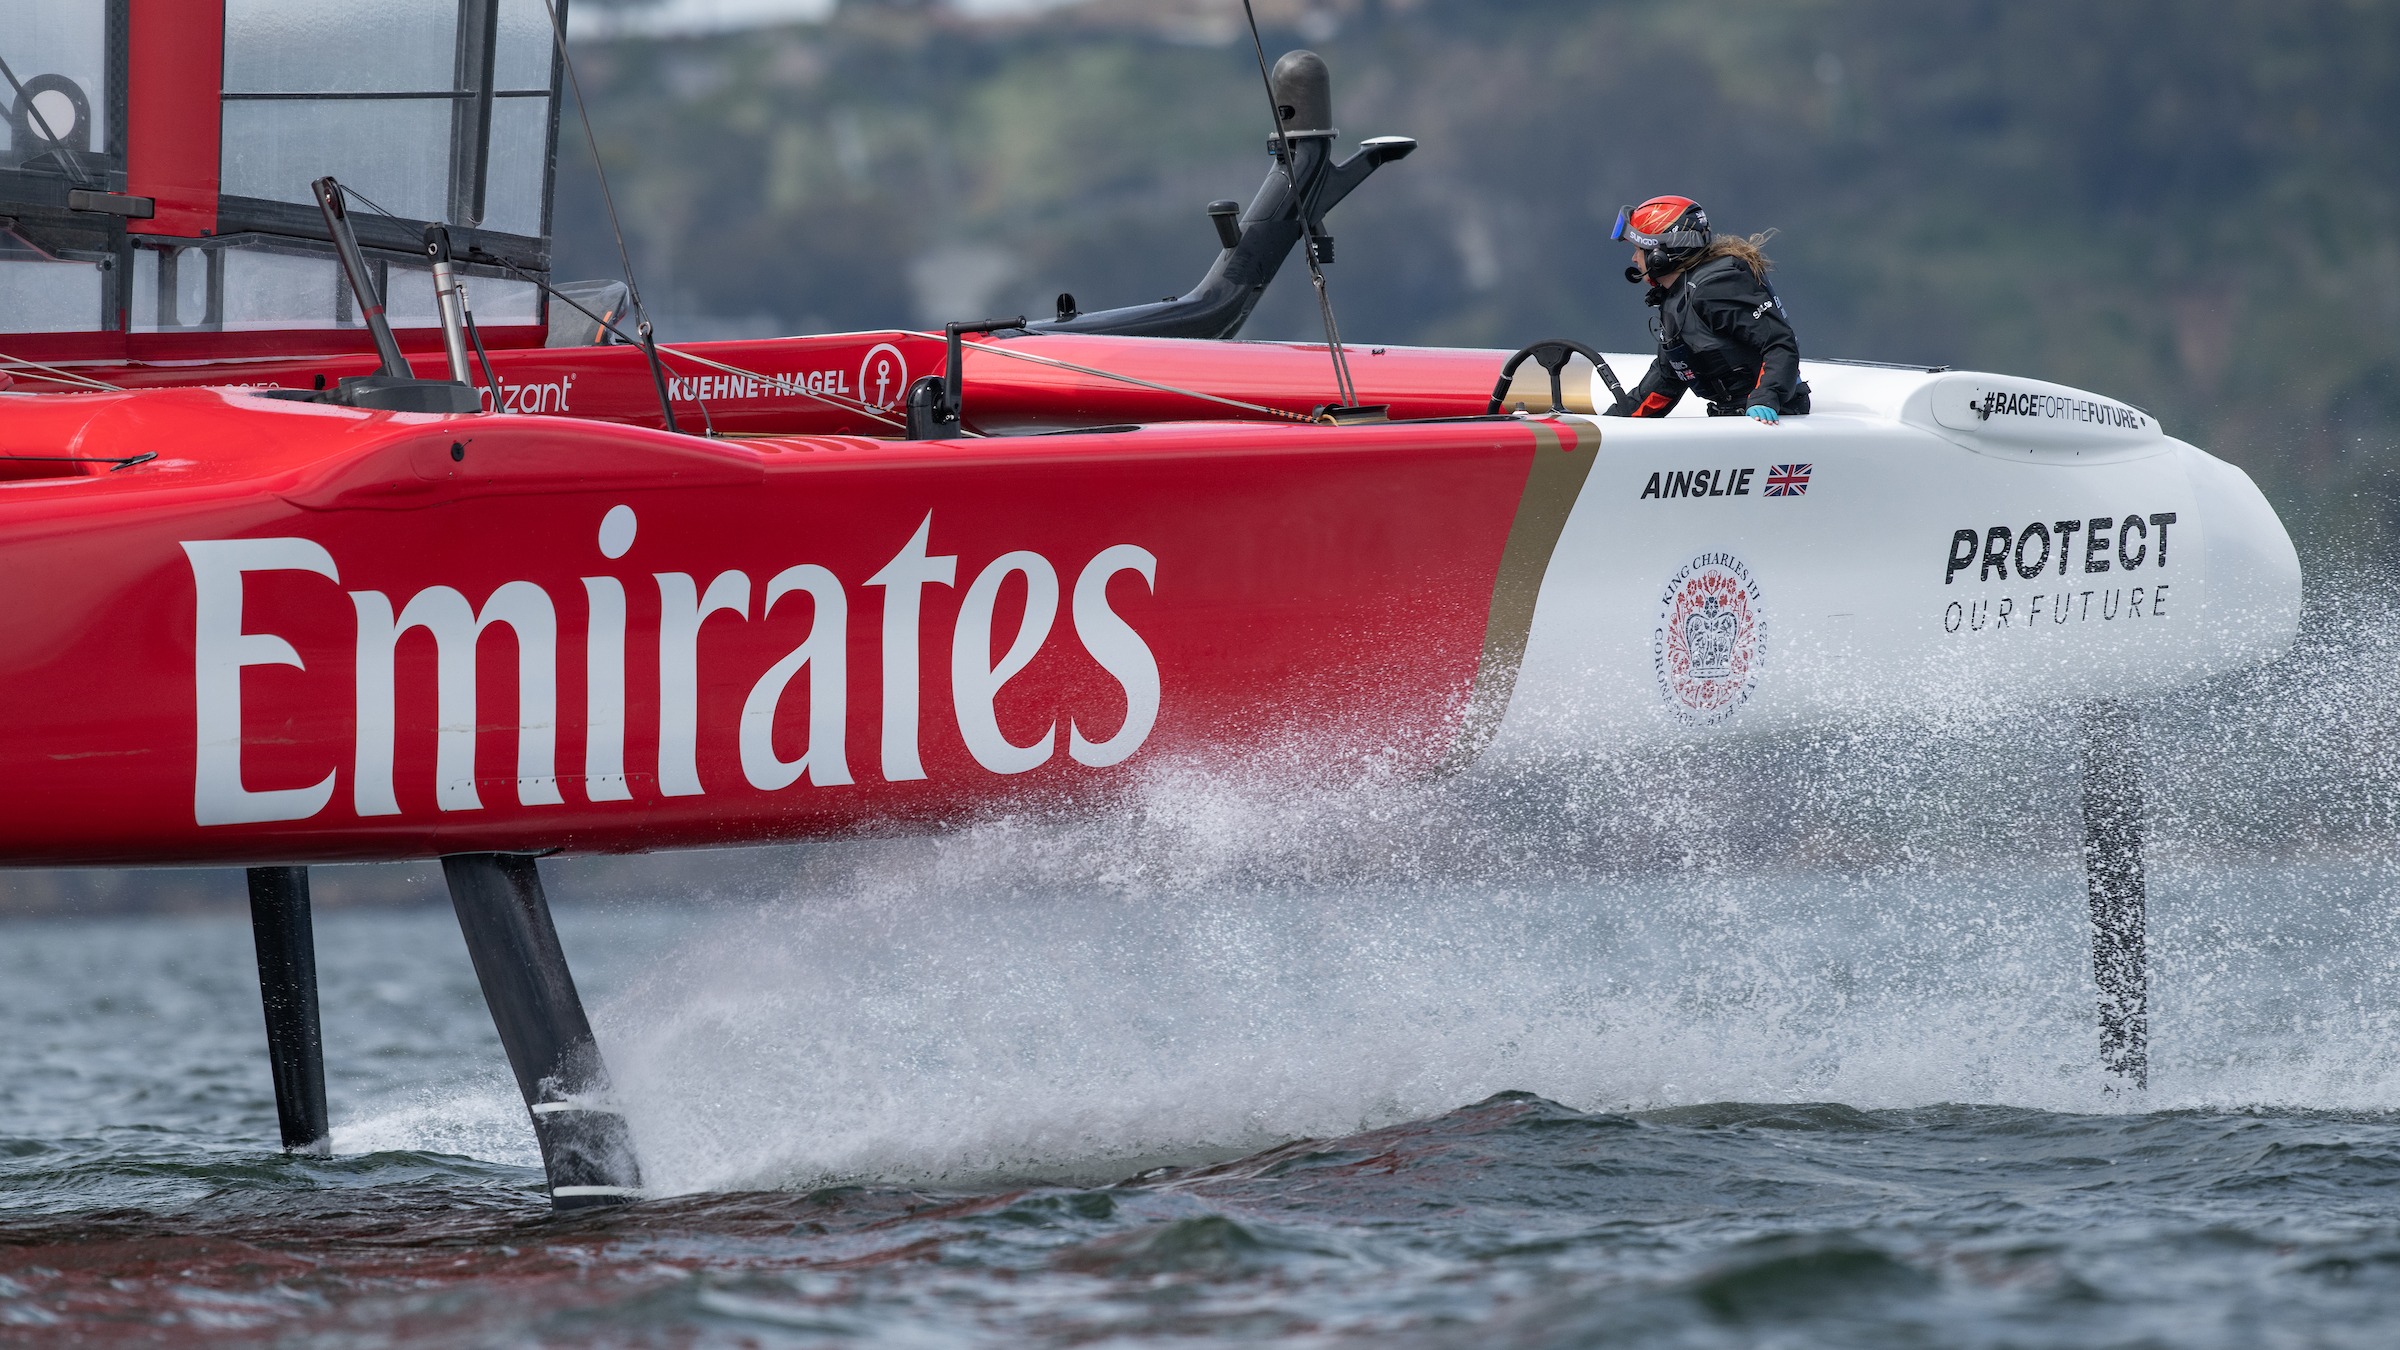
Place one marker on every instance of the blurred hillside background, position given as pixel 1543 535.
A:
pixel 2194 207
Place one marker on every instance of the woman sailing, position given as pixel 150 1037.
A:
pixel 1721 331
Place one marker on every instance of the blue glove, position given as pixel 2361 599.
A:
pixel 1763 413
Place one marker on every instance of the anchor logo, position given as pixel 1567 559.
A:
pixel 883 376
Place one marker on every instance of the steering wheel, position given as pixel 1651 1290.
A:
pixel 1552 355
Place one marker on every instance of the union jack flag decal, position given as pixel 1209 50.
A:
pixel 1787 480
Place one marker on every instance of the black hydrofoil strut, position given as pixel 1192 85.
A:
pixel 505 916
pixel 287 988
pixel 2113 884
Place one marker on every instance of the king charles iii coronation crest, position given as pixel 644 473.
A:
pixel 1711 630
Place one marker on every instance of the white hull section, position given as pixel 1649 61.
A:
pixel 1893 557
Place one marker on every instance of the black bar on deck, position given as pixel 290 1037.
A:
pixel 362 282
pixel 287 987
pixel 505 917
pixel 2112 870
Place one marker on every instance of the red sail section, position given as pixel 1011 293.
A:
pixel 310 633
pixel 175 65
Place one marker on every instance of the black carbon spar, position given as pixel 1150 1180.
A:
pixel 287 988
pixel 1287 207
pixel 505 915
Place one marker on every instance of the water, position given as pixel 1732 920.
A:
pixel 1089 1115
pixel 1785 1046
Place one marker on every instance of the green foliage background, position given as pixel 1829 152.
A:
pixel 2194 207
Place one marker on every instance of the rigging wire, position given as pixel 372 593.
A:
pixel 114 462
pixel 466 311
pixel 633 289
pixel 605 326
pixel 831 400
pixel 653 349
pixel 650 349
pixel 58 373
pixel 997 349
pixel 490 377
pixel 1308 249
pixel 849 405
pixel 859 406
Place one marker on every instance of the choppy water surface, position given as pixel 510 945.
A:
pixel 1297 1119
pixel 1789 1046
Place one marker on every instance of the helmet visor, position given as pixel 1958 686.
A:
pixel 1645 225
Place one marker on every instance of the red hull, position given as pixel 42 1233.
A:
pixel 180 696
pixel 773 384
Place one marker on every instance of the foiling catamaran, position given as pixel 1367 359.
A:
pixel 310 561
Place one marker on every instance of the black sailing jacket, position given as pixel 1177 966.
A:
pixel 1721 332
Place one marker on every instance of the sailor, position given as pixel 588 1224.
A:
pixel 1721 332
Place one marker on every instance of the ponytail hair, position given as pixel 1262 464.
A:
pixel 1748 250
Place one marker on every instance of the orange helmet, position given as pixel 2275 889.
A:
pixel 1670 231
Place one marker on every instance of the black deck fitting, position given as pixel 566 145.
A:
pixel 586 1149
pixel 287 988
pixel 1290 205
